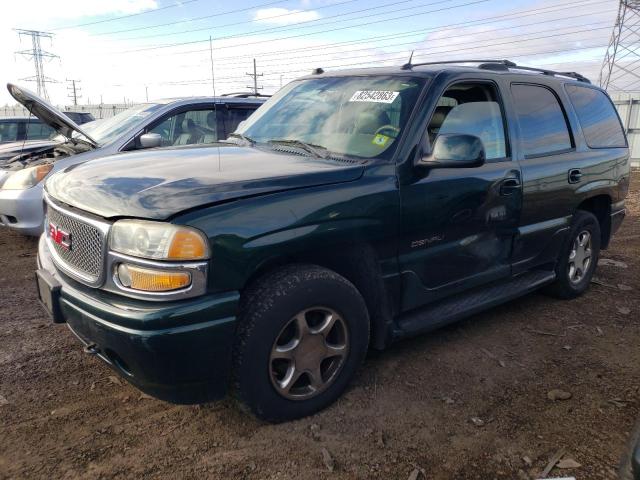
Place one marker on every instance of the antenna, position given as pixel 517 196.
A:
pixel 407 66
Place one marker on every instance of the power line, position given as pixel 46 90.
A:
pixel 177 44
pixel 621 63
pixel 113 19
pixel 505 40
pixel 502 53
pixel 37 54
pixel 481 21
pixel 294 25
pixel 255 20
pixel 194 19
pixel 270 63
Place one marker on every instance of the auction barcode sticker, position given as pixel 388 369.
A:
pixel 376 96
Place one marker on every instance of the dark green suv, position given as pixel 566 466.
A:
pixel 351 210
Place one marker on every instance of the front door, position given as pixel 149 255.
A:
pixel 458 224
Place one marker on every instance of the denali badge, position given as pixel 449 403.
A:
pixel 59 236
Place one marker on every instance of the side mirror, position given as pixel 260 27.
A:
pixel 454 150
pixel 150 140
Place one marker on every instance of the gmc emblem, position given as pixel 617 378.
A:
pixel 59 236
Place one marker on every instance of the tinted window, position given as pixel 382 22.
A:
pixel 188 128
pixel 471 109
pixel 542 123
pixel 598 118
pixel 39 131
pixel 8 131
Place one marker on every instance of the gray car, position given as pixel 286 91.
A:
pixel 183 121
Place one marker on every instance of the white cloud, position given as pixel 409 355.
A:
pixel 284 16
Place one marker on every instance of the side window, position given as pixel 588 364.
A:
pixel 8 131
pixel 233 117
pixel 599 121
pixel 38 131
pixel 543 125
pixel 472 109
pixel 188 128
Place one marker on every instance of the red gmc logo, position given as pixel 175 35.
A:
pixel 59 236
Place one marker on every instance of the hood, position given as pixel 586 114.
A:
pixel 11 149
pixel 157 184
pixel 47 113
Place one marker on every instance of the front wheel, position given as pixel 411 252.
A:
pixel 303 332
pixel 578 258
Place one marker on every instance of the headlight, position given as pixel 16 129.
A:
pixel 158 240
pixel 26 178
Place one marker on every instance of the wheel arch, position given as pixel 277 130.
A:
pixel 358 263
pixel 600 206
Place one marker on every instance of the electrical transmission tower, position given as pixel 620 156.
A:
pixel 37 54
pixel 255 76
pixel 74 91
pixel 621 65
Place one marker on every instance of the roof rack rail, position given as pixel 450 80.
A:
pixel 244 95
pixel 507 64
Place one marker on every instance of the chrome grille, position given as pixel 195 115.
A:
pixel 85 257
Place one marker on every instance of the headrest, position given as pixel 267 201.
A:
pixel 438 116
pixel 188 124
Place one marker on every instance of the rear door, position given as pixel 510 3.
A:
pixel 547 154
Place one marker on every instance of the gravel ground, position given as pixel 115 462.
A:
pixel 467 402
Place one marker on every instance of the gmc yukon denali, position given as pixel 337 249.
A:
pixel 353 209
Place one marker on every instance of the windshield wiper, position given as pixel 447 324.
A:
pixel 248 140
pixel 315 150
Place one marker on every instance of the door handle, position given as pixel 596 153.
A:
pixel 509 186
pixel 575 175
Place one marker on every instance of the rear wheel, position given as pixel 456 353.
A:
pixel 303 332
pixel 578 258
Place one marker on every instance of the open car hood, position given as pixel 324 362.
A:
pixel 48 113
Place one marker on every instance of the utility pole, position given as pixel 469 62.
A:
pixel 37 54
pixel 146 92
pixel 74 90
pixel 255 76
pixel 621 66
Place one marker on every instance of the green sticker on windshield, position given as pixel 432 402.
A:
pixel 381 140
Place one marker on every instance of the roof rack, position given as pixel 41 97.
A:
pixel 244 95
pixel 501 65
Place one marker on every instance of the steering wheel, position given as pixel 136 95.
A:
pixel 387 130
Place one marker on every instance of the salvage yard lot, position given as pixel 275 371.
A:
pixel 471 401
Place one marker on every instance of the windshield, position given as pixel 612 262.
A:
pixel 351 116
pixel 108 129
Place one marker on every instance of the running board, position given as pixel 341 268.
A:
pixel 461 306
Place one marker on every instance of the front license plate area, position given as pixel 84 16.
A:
pixel 49 295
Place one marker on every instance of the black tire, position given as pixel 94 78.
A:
pixel 266 309
pixel 563 287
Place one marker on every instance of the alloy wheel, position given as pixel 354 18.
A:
pixel 309 353
pixel 579 257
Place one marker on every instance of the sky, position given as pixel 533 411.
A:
pixel 131 50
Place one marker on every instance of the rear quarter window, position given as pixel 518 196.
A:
pixel 598 118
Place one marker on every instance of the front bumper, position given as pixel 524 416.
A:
pixel 176 351
pixel 22 210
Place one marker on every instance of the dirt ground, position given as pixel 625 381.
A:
pixel 466 402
